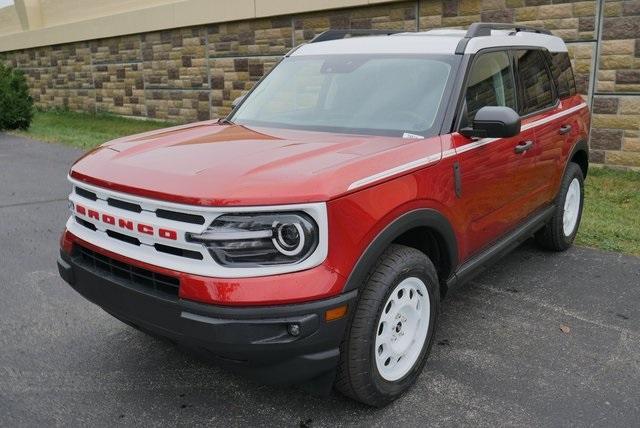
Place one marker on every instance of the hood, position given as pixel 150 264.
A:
pixel 218 165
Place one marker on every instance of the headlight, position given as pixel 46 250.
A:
pixel 260 239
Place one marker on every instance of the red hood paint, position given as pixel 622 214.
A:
pixel 231 165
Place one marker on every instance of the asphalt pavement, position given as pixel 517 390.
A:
pixel 500 356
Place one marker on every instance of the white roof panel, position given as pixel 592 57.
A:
pixel 398 43
pixel 522 38
pixel 440 41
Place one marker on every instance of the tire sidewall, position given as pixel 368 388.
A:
pixel 573 172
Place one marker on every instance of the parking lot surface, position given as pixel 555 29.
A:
pixel 500 356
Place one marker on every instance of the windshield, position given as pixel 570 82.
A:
pixel 381 94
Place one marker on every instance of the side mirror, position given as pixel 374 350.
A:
pixel 494 122
pixel 237 101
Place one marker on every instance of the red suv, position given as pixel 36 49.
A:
pixel 311 234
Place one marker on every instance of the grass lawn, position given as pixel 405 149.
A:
pixel 611 216
pixel 610 221
pixel 85 130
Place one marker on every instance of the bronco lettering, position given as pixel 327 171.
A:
pixel 126 223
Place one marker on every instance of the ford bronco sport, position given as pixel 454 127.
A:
pixel 309 236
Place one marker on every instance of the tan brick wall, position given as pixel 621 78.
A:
pixel 195 73
pixel 616 102
pixel 395 16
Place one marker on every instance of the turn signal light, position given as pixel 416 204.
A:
pixel 335 313
pixel 65 242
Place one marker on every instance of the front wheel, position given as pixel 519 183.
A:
pixel 389 338
pixel 559 233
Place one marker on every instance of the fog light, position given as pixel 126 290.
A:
pixel 293 329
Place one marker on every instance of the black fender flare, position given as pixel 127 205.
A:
pixel 579 146
pixel 424 217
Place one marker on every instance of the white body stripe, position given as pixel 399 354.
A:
pixel 554 116
pixel 397 170
pixel 451 152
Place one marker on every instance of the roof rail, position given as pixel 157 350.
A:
pixel 479 29
pixel 341 34
pixel 484 29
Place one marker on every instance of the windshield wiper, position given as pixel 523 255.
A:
pixel 225 121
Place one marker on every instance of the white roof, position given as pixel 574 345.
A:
pixel 441 41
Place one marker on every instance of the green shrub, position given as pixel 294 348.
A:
pixel 16 106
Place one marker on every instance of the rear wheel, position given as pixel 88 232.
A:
pixel 559 233
pixel 389 338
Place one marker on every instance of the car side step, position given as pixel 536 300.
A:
pixel 485 258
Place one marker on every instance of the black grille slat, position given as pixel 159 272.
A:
pixel 180 252
pixel 86 224
pixel 133 274
pixel 129 206
pixel 122 237
pixel 86 194
pixel 167 249
pixel 178 216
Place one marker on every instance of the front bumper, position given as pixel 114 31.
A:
pixel 255 340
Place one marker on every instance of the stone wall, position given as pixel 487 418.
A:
pixel 195 73
pixel 616 98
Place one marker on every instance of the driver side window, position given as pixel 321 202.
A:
pixel 490 84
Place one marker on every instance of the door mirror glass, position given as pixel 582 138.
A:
pixel 494 122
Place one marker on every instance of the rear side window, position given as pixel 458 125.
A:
pixel 536 81
pixel 563 74
pixel 490 83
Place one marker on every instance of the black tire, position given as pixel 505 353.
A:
pixel 357 375
pixel 552 236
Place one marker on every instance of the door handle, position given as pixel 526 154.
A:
pixel 523 146
pixel 565 129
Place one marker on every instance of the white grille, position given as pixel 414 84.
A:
pixel 106 218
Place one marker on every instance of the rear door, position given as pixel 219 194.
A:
pixel 541 111
pixel 568 124
pixel 494 175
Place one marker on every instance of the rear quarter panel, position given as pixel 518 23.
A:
pixel 580 122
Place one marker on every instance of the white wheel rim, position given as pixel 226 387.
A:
pixel 402 329
pixel 571 208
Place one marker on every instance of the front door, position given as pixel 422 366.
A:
pixel 493 172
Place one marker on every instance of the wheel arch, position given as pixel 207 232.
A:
pixel 424 229
pixel 580 156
